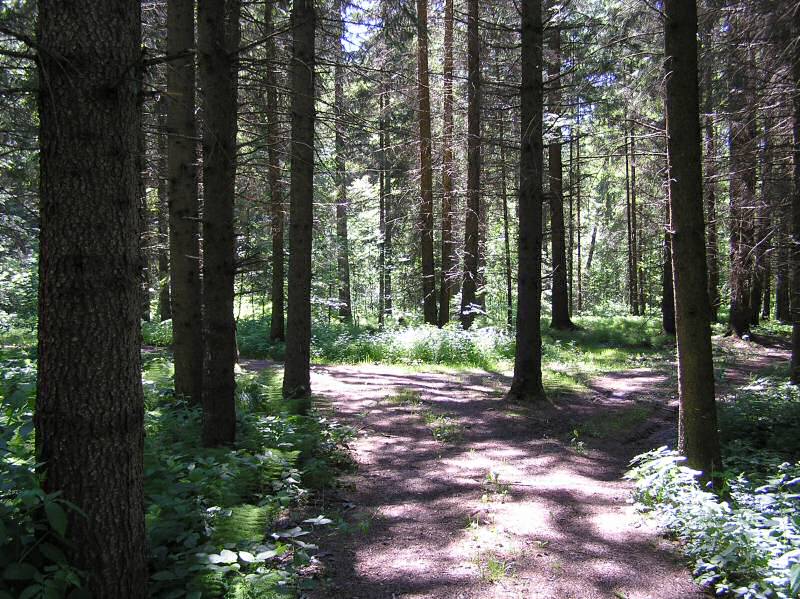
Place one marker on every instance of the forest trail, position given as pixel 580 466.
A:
pixel 511 501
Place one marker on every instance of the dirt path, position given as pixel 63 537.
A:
pixel 515 502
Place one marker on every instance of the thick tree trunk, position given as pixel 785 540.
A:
pixel 697 431
pixel 795 253
pixel 560 304
pixel 89 404
pixel 448 245
pixel 470 306
pixel 217 46
pixel 429 309
pixel 184 217
pixel 527 382
pixel 164 304
pixel 277 330
pixel 631 273
pixel 296 377
pixel 342 244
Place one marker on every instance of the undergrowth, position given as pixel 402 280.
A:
pixel 744 541
pixel 210 513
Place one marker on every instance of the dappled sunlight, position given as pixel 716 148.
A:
pixel 514 503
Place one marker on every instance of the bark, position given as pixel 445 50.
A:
pixel 634 228
pixel 342 245
pixel 697 431
pixel 277 331
pixel 296 378
pixel 795 253
pixel 506 235
pixel 429 309
pixel 89 404
pixel 164 305
pixel 571 235
pixel 631 272
pixel 560 304
pixel 591 250
pixel 217 45
pixel 578 185
pixel 712 239
pixel 448 245
pixel 526 384
pixel 184 218
pixel 742 198
pixel 470 307
pixel 667 290
pixel 782 312
pixel 382 206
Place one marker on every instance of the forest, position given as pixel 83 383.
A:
pixel 388 298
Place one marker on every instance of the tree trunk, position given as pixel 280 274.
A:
pixel 217 48
pixel 628 220
pixel 634 228
pixel 667 292
pixel 795 253
pixel 277 330
pixel 164 305
pixel 469 287
pixel 527 382
pixel 560 306
pixel 382 205
pixel 782 267
pixel 184 217
pixel 426 168
pixel 448 245
pixel 578 185
pixel 697 431
pixel 342 245
pixel 742 198
pixel 712 239
pixel 296 377
pixel 89 404
pixel 506 235
pixel 591 250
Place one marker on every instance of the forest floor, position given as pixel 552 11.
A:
pixel 460 494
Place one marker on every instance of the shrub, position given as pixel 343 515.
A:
pixel 748 546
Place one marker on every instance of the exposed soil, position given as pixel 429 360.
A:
pixel 520 501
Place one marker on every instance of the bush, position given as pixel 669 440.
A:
pixel 748 546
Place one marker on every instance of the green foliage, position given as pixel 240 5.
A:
pixel 157 334
pixel 765 414
pixel 33 523
pixel 210 511
pixel 748 546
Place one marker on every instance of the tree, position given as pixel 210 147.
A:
pixel 447 257
pixel 560 304
pixel 297 377
pixel 276 328
pixel 470 307
pixel 527 382
pixel 218 44
pixel 342 245
pixel 184 217
pixel 89 404
pixel 795 252
pixel 697 431
pixel 426 167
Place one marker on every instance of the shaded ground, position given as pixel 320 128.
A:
pixel 517 501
